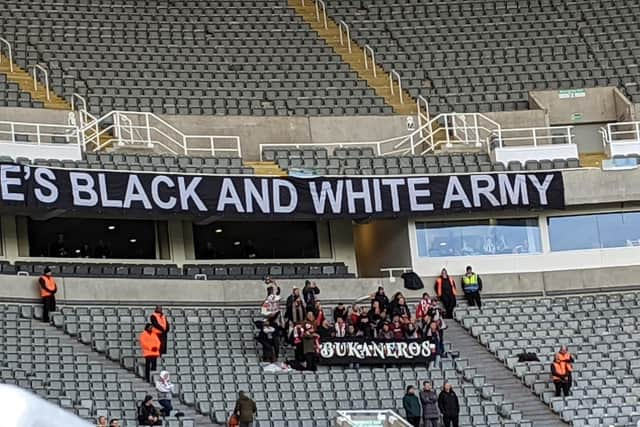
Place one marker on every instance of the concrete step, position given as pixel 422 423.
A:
pixel 138 384
pixel 503 379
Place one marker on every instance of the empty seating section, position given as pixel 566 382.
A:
pixel 256 271
pixel 364 161
pixel 248 57
pixel 11 96
pixel 485 55
pixel 212 355
pixel 600 330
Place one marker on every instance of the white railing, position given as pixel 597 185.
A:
pixel 9 53
pixel 368 49
pixel 320 4
pixel 150 131
pixel 83 102
pixel 343 25
pixel 621 139
pixel 44 72
pixel 424 116
pixel 393 74
pixel 533 137
pixel 38 133
pixel 370 417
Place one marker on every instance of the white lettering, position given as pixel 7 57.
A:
pixel 513 193
pixel 135 193
pixel 363 195
pixel 393 184
pixel 44 177
pixel 5 182
pixel 293 196
pixel 82 183
pixel 542 188
pixel 104 194
pixel 455 193
pixel 477 190
pixel 170 203
pixel 327 193
pixel 377 197
pixel 415 193
pixel 229 196
pixel 189 192
pixel 252 194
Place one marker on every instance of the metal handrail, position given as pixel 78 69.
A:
pixel 421 100
pixel 397 75
pixel 533 134
pixel 341 25
pixel 39 130
pixel 324 12
pixel 6 43
pixel 373 59
pixel 46 79
pixel 81 98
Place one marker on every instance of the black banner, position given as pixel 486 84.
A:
pixel 153 193
pixel 344 351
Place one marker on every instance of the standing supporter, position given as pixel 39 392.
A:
pixel 449 406
pixel 150 345
pixel 394 302
pixel 325 331
pixel 434 335
pixel 385 333
pixel 310 347
pixel 382 299
pixel 114 422
pixel 295 310
pixel 341 312
pixel 296 337
pixel 355 315
pixel 309 293
pixel 48 289
pixel 102 421
pixel 272 286
pixel 340 328
pixel 424 307
pixel 319 313
pixel 561 376
pixel 165 387
pixel 446 291
pixel 375 313
pixel 411 330
pixel 566 357
pixel 160 327
pixel 148 414
pixel 268 337
pixel 245 410
pixel 400 308
pixel 396 328
pixel 472 286
pixel 271 309
pixel 366 328
pixel 412 407
pixel 429 400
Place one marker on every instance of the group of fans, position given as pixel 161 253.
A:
pixel 300 320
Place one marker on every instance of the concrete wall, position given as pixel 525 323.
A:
pixel 599 105
pixel 587 137
pixel 34 115
pixel 595 186
pixel 148 292
pixel 342 244
pixel 625 110
pixel 254 131
pixel 380 244
pixel 518 119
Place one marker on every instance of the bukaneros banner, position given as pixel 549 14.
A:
pixel 341 351
pixel 139 193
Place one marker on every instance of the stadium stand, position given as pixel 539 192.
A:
pixel 226 334
pixel 190 57
pixel 212 271
pixel 11 96
pixel 599 329
pixel 469 56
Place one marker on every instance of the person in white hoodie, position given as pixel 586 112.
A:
pixel 165 387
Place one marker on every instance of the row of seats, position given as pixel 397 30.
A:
pixel 188 271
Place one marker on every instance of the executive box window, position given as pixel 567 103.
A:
pixel 256 240
pixel 597 231
pixel 92 238
pixel 478 237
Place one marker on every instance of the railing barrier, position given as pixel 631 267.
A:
pixel 368 49
pixel 43 70
pixel 10 54
pixel 324 12
pixel 341 25
pixel 395 74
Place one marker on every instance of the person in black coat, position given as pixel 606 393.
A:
pixel 270 341
pixel 309 293
pixel 382 299
pixel 148 414
pixel 449 406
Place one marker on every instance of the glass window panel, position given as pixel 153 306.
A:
pixel 608 230
pixel 477 238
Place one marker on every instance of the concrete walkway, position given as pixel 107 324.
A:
pixel 532 408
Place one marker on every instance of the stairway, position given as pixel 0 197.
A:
pixel 138 384
pixel 531 407
pixel 355 58
pixel 266 168
pixel 25 80
pixel 592 160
